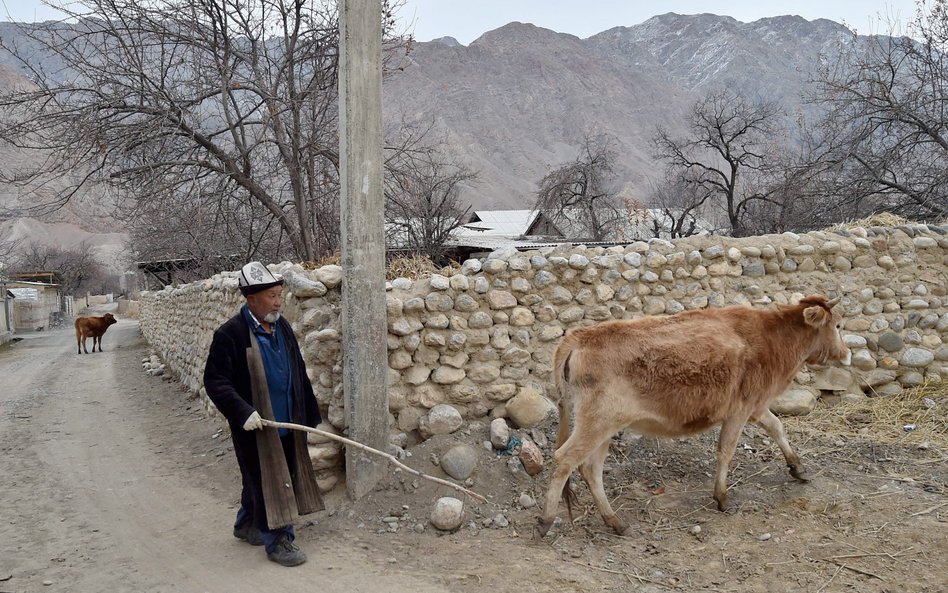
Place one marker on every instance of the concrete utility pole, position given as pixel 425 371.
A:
pixel 364 323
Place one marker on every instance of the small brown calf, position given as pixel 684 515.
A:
pixel 92 327
pixel 680 375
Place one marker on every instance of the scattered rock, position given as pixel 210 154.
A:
pixel 447 513
pixel 832 379
pixel 531 457
pixel 459 461
pixel 876 378
pixel 516 469
pixel 795 402
pixel 887 390
pixel 499 433
pixel 529 407
pixel 538 436
pixel 526 501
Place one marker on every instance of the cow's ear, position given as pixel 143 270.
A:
pixel 815 316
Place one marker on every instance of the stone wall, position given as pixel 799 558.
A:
pixel 127 308
pixel 482 339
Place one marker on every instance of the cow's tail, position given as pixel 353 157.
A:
pixel 561 372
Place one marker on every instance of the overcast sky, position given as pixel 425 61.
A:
pixel 466 20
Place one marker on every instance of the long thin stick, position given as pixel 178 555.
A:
pixel 893 478
pixel 368 449
pixel 847 567
pixel 869 554
pixel 839 567
pixel 928 510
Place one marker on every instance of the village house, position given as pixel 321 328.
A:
pixel 33 306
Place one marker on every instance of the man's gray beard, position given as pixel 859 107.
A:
pixel 272 317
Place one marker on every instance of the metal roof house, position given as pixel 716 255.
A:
pixel 488 230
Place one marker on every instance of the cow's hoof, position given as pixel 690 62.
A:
pixel 722 502
pixel 798 473
pixel 542 528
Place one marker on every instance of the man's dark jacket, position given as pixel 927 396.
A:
pixel 227 382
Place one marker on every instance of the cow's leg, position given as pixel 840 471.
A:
pixel 84 344
pixel 727 442
pixel 567 458
pixel 78 342
pixel 774 428
pixel 97 340
pixel 591 471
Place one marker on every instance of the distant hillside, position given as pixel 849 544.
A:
pixel 519 99
pixel 86 218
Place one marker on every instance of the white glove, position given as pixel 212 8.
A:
pixel 254 422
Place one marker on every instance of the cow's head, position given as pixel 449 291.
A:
pixel 829 346
pixel 109 319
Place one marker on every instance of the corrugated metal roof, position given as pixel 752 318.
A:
pixel 492 242
pixel 510 223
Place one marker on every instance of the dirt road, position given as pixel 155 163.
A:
pixel 114 481
pixel 102 490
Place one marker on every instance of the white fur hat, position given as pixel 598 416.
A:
pixel 255 277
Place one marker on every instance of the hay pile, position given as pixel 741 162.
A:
pixel 883 219
pixel 914 417
pixel 402 266
pixel 417 267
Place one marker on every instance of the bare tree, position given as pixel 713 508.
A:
pixel 887 125
pixel 8 247
pixel 423 206
pixel 580 196
pixel 212 230
pixel 76 269
pixel 727 154
pixel 163 99
pixel 677 208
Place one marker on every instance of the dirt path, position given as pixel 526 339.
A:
pixel 112 480
pixel 101 485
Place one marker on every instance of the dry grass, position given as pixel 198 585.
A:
pixel 410 266
pixel 331 259
pixel 885 418
pixel 402 266
pixel 883 219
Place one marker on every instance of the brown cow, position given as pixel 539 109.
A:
pixel 92 327
pixel 680 375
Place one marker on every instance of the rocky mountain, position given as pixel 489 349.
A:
pixel 519 100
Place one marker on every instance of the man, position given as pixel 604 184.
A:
pixel 269 459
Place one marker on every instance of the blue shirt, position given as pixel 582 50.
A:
pixel 276 363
